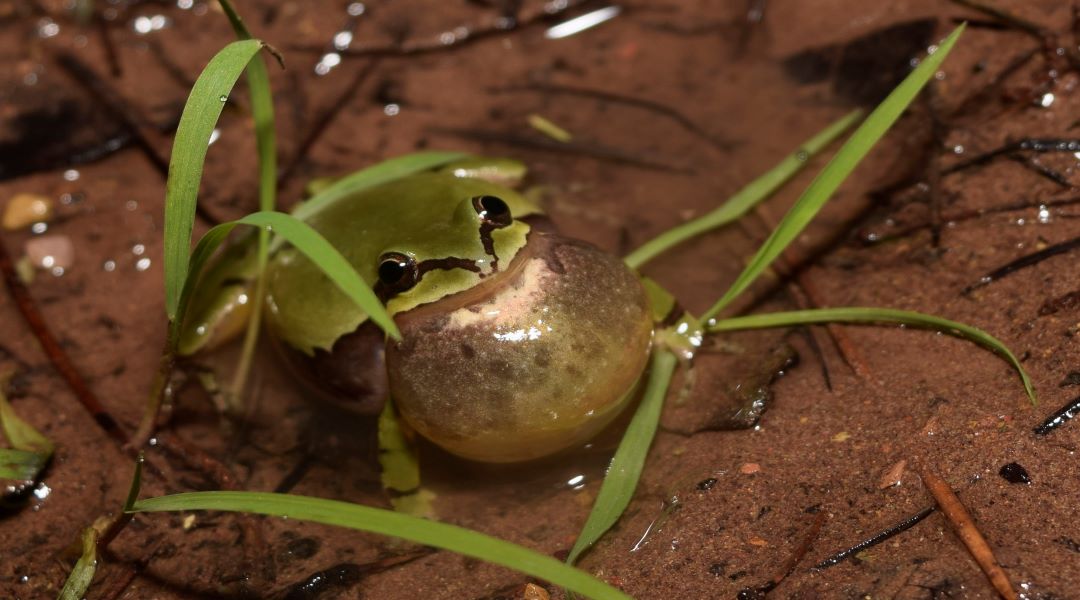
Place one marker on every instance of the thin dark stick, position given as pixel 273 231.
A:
pixel 875 539
pixel 324 120
pixel 1029 163
pixel 146 137
pixel 1005 16
pixel 1059 417
pixel 111 57
pixel 1023 262
pixel 789 564
pixel 474 34
pixel 616 98
pixel 1040 145
pixel 55 352
pixel 572 147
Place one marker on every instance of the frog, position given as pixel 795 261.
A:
pixel 517 342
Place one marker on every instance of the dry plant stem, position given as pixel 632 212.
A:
pixel 965 529
pixel 55 353
pixel 800 551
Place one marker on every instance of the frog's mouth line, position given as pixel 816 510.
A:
pixel 489 285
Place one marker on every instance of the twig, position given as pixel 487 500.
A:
pixel 322 123
pixel 1059 417
pixel 616 98
pixel 1023 262
pixel 875 539
pixel 1005 16
pixel 789 564
pixel 965 529
pixel 458 37
pixel 590 150
pixel 55 352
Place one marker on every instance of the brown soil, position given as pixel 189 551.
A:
pixel 745 498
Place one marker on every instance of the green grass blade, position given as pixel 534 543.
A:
pixel 79 579
pixel 836 171
pixel 21 465
pixel 311 244
pixel 388 170
pixel 629 460
pixel 856 314
pixel 746 198
pixel 385 522
pixel 197 122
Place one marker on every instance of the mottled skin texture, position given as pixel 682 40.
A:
pixel 541 361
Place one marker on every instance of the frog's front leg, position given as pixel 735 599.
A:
pixel 352 374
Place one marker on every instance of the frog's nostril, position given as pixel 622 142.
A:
pixel 492 210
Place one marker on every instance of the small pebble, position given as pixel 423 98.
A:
pixel 535 592
pixel 1014 473
pixel 893 476
pixel 26 209
pixel 50 252
pixel 749 468
pixel 843 436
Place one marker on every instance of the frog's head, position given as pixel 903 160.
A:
pixel 415 241
pixel 517 342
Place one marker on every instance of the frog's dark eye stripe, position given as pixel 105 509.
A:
pixel 493 211
pixel 397 272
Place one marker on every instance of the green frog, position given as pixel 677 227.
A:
pixel 517 342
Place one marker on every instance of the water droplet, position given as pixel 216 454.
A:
pixel 142 264
pixel 214 136
pixel 131 205
pixel 802 155
pixel 327 62
pixel 355 9
pixel 42 491
pixel 138 249
pixel 342 39
pixel 185 4
pixel 958 149
pixel 1044 214
pixel 57 271
pixel 223 98
pixel 71 175
pixel 109 266
pixel 1046 100
pixel 47 28
pixel 391 110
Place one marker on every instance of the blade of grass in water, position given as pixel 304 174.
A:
pixel 855 314
pixel 746 198
pixel 30 450
pixel 629 460
pixel 204 105
pixel 262 113
pixel 311 244
pixel 836 172
pixel 385 522
pixel 79 579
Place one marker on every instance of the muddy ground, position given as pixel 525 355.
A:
pixel 683 103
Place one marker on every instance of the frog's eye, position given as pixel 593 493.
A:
pixel 492 210
pixel 397 272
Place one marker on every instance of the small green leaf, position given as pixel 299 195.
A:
pixel 748 197
pixel 21 465
pixel 830 178
pixel 82 574
pixel 201 112
pixel 385 522
pixel 629 460
pixel 854 314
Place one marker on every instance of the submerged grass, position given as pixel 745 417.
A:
pixel 386 522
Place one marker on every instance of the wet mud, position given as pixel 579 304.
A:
pixel 672 106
